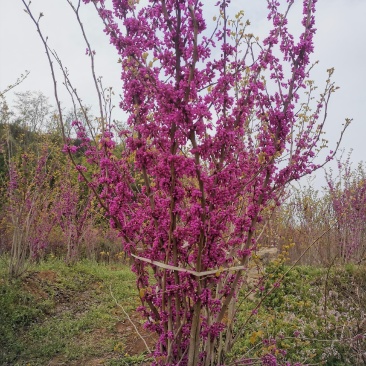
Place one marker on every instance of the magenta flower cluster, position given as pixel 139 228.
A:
pixel 216 131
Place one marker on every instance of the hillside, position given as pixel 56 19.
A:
pixel 75 315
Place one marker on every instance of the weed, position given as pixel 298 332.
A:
pixel 305 321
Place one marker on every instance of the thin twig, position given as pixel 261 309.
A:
pixel 130 320
pixel 58 103
pixel 21 78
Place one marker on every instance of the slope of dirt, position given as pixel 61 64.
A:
pixel 77 321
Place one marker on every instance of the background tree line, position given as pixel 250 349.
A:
pixel 47 210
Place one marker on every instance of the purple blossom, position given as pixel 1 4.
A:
pixel 207 148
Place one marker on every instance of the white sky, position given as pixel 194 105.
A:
pixel 340 43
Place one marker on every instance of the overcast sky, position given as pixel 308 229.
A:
pixel 339 43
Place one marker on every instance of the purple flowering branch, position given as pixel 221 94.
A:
pixel 213 139
pixel 204 178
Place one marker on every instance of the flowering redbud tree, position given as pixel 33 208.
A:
pixel 347 194
pixel 29 198
pixel 217 129
pixel 219 123
pixel 72 212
